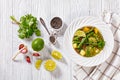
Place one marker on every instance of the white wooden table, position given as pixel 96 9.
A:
pixel 47 9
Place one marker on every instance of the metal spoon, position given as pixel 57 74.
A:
pixel 52 38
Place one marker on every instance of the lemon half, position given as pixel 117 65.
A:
pixel 50 65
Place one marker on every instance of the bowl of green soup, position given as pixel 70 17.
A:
pixel 88 41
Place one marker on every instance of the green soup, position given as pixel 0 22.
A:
pixel 88 41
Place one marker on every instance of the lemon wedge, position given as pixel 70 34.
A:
pixel 80 33
pixel 50 65
pixel 38 64
pixel 56 54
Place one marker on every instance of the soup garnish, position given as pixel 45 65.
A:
pixel 88 41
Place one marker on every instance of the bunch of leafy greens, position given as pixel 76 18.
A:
pixel 27 26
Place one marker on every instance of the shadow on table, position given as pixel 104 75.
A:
pixel 63 60
pixel 62 31
pixel 57 73
pixel 45 53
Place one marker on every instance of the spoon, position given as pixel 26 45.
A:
pixel 52 37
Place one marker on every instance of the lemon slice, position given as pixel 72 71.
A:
pixel 38 64
pixel 50 65
pixel 57 55
pixel 80 33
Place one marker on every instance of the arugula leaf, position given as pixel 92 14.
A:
pixel 27 26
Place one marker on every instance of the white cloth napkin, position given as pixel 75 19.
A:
pixel 108 69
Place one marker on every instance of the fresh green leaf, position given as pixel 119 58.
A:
pixel 37 32
pixel 27 26
pixel 22 35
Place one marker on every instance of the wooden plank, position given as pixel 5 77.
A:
pixel 21 70
pixel 5 40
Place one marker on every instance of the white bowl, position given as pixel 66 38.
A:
pixel 106 33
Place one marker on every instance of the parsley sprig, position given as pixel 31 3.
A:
pixel 27 26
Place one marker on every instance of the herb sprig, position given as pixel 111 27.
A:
pixel 27 26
